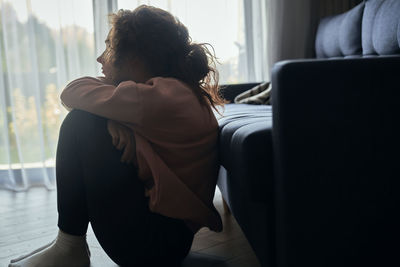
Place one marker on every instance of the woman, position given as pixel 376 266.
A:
pixel 137 155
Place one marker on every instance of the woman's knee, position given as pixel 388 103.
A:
pixel 78 116
pixel 83 121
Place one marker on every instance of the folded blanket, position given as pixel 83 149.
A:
pixel 258 95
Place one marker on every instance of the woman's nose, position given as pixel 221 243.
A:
pixel 100 58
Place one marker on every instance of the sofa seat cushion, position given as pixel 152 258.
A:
pixel 246 146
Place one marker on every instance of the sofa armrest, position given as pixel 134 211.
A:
pixel 230 91
pixel 336 152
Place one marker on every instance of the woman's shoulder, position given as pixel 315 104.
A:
pixel 165 83
pixel 158 84
pixel 168 89
pixel 164 95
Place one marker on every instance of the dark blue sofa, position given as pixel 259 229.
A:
pixel 314 180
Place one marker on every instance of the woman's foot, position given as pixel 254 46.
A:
pixel 65 251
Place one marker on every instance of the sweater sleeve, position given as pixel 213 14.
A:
pixel 113 102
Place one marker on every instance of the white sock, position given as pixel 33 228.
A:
pixel 65 251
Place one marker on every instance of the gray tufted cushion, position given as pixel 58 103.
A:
pixel 370 10
pixel 385 29
pixel 340 35
pixel 327 40
pixel 350 31
pixel 398 33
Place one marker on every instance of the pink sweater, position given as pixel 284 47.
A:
pixel 176 141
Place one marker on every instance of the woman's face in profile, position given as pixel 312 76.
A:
pixel 105 60
pixel 133 69
pixel 115 74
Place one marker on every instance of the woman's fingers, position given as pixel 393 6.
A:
pixel 115 139
pixel 122 139
pixel 125 155
pixel 129 153
pixel 113 132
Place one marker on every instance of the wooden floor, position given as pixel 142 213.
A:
pixel 28 220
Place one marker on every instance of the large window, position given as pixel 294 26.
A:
pixel 46 43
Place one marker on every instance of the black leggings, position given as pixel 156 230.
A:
pixel 94 186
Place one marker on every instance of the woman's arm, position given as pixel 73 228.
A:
pixel 90 94
pixel 95 95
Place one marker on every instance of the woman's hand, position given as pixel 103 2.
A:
pixel 123 138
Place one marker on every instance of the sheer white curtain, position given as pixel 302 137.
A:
pixel 256 31
pixel 43 45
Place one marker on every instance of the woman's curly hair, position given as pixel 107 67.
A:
pixel 163 43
